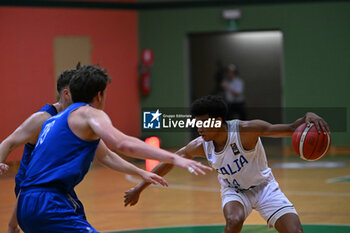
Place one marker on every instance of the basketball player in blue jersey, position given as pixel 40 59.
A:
pixel 235 151
pixel 29 131
pixel 65 148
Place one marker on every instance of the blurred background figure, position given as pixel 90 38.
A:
pixel 233 87
pixel 219 78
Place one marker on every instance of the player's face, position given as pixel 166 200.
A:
pixel 207 133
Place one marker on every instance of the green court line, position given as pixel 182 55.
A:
pixel 339 179
pixel 246 229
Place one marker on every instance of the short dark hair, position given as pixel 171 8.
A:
pixel 212 105
pixel 64 79
pixel 87 82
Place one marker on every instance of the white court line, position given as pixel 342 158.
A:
pixel 324 194
pixel 209 189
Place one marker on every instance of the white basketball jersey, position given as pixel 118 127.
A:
pixel 236 167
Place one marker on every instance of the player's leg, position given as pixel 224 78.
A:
pixel 236 207
pixel 288 223
pixel 234 216
pixel 276 209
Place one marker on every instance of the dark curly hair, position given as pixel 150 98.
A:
pixel 212 105
pixel 87 82
pixel 64 79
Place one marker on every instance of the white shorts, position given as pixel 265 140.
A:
pixel 266 198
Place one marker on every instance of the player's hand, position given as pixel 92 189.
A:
pixel 3 168
pixel 191 165
pixel 153 178
pixel 13 229
pixel 131 197
pixel 321 125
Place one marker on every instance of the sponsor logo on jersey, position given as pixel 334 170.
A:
pixel 235 149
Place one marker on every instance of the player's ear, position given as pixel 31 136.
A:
pixel 99 96
pixel 66 95
pixel 66 92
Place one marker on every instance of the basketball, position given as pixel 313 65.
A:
pixel 309 144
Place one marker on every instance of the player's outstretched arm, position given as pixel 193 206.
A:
pixel 193 149
pixel 101 125
pixel 250 131
pixel 265 129
pixel 27 132
pixel 115 162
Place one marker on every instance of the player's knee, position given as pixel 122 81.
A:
pixel 289 223
pixel 234 221
pixel 293 229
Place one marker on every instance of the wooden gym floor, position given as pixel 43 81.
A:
pixel 195 200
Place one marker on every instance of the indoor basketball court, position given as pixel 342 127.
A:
pixel 162 55
pixel 319 192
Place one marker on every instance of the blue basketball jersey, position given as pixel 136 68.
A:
pixel 28 149
pixel 60 159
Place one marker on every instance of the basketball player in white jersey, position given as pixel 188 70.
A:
pixel 236 153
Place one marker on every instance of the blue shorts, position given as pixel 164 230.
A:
pixel 47 210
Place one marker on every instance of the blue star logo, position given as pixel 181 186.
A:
pixel 151 120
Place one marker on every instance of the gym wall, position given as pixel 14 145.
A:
pixel 316 53
pixel 27 61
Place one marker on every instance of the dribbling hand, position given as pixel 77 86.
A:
pixel 321 125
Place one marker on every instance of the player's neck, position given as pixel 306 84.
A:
pixel 59 106
pixel 221 138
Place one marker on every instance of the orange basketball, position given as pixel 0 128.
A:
pixel 309 144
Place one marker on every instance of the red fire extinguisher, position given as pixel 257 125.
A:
pixel 145 71
pixel 145 82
